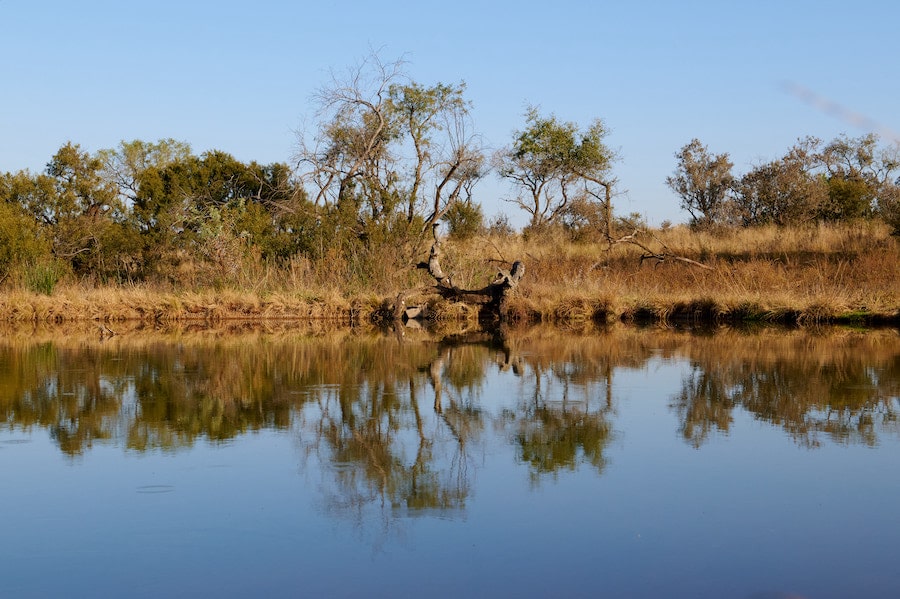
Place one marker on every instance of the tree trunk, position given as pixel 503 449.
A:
pixel 491 299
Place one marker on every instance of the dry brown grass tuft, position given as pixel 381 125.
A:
pixel 805 274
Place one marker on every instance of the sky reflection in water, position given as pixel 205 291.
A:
pixel 621 463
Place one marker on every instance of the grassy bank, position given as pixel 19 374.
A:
pixel 842 273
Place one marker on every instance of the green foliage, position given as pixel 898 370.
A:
pixel 464 220
pixel 20 239
pixel 783 192
pixel 43 275
pixel 387 146
pixel 125 164
pixel 889 206
pixel 77 208
pixel 194 203
pixel 419 114
pixel 703 182
pixel 552 162
pixel 847 199
pixel 859 176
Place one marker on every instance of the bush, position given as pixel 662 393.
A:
pixel 464 220
pixel 499 226
pixel 42 277
pixel 889 207
pixel 583 220
pixel 20 239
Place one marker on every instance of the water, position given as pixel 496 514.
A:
pixel 619 463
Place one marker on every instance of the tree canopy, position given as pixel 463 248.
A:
pixel 844 179
pixel 702 181
pixel 551 164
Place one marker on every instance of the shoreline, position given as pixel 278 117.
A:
pixel 111 305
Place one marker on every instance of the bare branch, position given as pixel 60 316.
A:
pixel 651 254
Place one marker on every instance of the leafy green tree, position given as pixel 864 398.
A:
pixel 21 240
pixel 125 164
pixel 175 203
pixel 464 220
pixel 889 206
pixel 552 163
pixel 446 164
pixel 858 174
pixel 703 181
pixel 786 191
pixel 79 211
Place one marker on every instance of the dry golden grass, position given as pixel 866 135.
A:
pixel 799 275
pixel 111 304
pixel 812 274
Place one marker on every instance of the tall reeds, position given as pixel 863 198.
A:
pixel 805 274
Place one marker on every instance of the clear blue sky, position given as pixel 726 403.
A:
pixel 239 76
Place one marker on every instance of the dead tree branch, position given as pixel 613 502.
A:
pixel 650 254
pixel 491 298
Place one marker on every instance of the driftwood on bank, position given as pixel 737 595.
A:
pixel 490 299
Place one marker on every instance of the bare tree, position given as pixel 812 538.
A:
pixel 390 145
pixel 348 153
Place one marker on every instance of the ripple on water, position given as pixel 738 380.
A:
pixel 155 489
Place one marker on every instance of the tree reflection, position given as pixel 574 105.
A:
pixel 69 393
pixel 401 420
pixel 557 431
pixel 385 449
pixel 704 405
pixel 844 386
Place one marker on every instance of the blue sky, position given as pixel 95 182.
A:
pixel 239 76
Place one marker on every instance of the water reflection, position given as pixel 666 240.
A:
pixel 841 385
pixel 398 416
pixel 253 460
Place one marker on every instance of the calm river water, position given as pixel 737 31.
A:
pixel 294 462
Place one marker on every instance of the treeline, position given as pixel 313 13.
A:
pixel 143 210
pixel 387 160
pixel 842 180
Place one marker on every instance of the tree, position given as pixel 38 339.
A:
pixel 21 240
pixel 703 181
pixel 204 205
pixel 85 221
pixel 464 220
pixel 889 206
pixel 551 163
pixel 450 163
pixel 125 164
pixel 859 174
pixel 384 145
pixel 785 191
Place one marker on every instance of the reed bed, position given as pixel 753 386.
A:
pixel 815 274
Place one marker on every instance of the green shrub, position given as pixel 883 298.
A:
pixel 20 239
pixel 42 277
pixel 464 220
pixel 889 207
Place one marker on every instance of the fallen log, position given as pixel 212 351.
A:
pixel 490 299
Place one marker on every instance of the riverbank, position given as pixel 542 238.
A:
pixel 116 305
pixel 846 274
